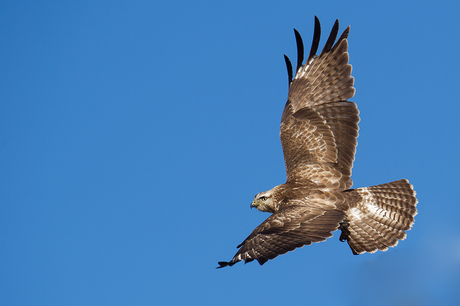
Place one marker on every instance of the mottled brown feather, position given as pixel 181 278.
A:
pixel 320 89
pixel 288 229
pixel 319 130
pixel 378 216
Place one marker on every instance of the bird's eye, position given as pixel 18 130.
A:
pixel 263 198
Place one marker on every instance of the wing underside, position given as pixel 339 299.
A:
pixel 319 127
pixel 290 228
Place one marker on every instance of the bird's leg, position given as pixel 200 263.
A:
pixel 345 235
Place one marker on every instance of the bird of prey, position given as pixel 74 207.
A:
pixel 319 128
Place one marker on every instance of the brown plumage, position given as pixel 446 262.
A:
pixel 319 128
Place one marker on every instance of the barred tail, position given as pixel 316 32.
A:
pixel 378 216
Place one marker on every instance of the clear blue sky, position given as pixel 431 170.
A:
pixel 134 135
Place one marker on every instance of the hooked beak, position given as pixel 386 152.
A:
pixel 253 204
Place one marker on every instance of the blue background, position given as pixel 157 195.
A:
pixel 134 135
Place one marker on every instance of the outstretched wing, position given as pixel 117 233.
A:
pixel 297 224
pixel 319 127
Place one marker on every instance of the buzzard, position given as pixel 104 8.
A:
pixel 319 128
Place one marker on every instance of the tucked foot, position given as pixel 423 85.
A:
pixel 345 235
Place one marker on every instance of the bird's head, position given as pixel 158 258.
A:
pixel 264 201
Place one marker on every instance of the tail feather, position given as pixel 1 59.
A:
pixel 379 216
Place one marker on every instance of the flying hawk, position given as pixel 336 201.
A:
pixel 319 128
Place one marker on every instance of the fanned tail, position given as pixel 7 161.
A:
pixel 378 216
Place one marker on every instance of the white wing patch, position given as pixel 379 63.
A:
pixel 367 206
pixel 354 214
pixel 304 69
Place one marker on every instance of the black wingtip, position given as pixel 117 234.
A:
pixel 343 36
pixel 330 41
pixel 289 68
pixel 300 49
pixel 316 38
pixel 222 264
